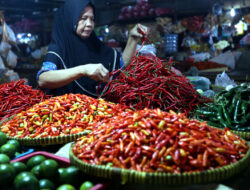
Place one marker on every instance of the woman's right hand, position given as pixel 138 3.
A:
pixel 96 72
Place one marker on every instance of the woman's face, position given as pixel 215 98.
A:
pixel 86 23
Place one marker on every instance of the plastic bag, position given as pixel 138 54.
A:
pixel 4 49
pixel 147 49
pixel 224 80
pixel 11 59
pixel 37 54
pixel 202 83
pixel 11 38
pixel 200 57
pixel 11 75
pixel 2 66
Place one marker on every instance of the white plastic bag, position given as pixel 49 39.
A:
pixel 11 75
pixel 147 49
pixel 224 80
pixel 11 59
pixel 200 57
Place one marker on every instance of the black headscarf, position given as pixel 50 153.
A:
pixel 75 51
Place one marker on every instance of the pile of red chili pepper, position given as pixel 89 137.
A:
pixel 157 141
pixel 58 116
pixel 150 82
pixel 16 96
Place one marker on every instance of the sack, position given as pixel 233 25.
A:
pixel 11 59
pixel 226 58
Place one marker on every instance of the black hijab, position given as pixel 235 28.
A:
pixel 68 47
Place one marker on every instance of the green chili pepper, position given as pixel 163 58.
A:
pixel 244 107
pixel 236 111
pixel 222 122
pixel 225 113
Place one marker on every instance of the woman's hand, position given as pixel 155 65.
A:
pixel 139 31
pixel 96 72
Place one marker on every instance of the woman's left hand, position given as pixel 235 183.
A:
pixel 139 31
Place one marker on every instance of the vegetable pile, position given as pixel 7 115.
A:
pixel 16 97
pixel 231 109
pixel 157 141
pixel 150 82
pixel 58 116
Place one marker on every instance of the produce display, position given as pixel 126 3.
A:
pixel 42 171
pixel 59 116
pixel 157 141
pixel 16 97
pixel 150 82
pixel 231 109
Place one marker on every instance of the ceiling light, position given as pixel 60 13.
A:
pixel 232 12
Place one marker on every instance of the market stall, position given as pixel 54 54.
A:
pixel 176 117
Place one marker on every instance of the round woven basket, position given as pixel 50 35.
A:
pixel 135 177
pixel 45 141
pixel 242 134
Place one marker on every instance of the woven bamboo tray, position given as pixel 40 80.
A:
pixel 132 176
pixel 45 141
pixel 242 134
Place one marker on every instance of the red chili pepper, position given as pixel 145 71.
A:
pixel 178 145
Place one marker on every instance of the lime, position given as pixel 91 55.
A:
pixel 15 143
pixel 36 170
pixel 7 174
pixel 35 160
pixel 86 185
pixel 4 159
pixel 47 184
pixel 70 175
pixel 49 169
pixel 19 167
pixel 66 187
pixel 22 174
pixel 3 138
pixel 8 149
pixel 26 182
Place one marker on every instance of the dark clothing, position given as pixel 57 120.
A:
pixel 74 51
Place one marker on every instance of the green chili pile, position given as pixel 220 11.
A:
pixel 157 141
pixel 17 96
pixel 231 109
pixel 150 82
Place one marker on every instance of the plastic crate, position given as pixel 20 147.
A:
pixel 62 162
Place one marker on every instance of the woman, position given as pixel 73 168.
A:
pixel 77 60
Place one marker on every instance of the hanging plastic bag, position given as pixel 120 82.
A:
pixel 4 49
pixel 11 59
pixel 2 66
pixel 10 35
